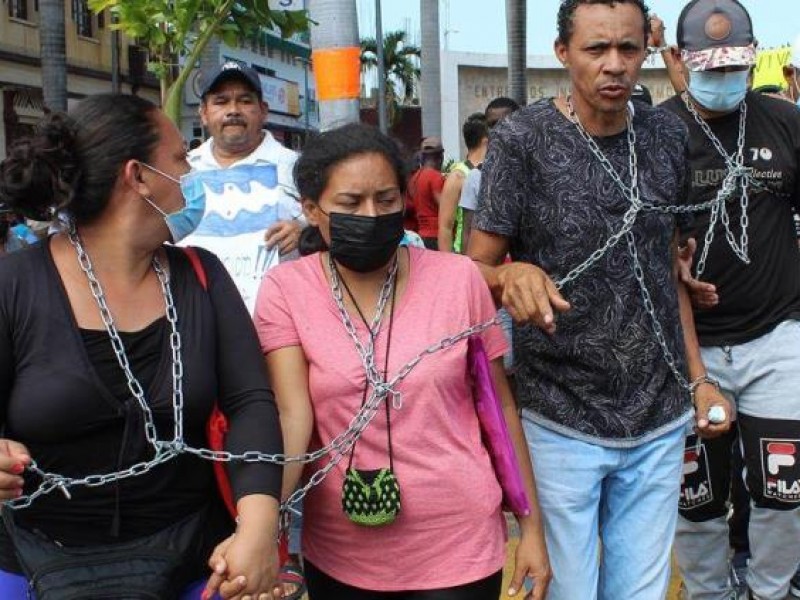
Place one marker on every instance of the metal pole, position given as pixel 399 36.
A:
pixel 431 92
pixel 338 28
pixel 516 32
pixel 382 121
pixel 308 104
pixel 115 88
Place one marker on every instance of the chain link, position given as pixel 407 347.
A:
pixel 737 175
pixel 116 342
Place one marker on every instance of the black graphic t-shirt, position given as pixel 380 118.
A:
pixel 602 377
pixel 753 298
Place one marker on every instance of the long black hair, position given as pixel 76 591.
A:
pixel 73 160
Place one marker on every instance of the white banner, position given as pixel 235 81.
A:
pixel 241 203
pixel 286 5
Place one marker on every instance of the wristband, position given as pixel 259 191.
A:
pixel 700 381
pixel 656 49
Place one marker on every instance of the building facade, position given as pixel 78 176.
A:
pixel 471 80
pixel 89 44
pixel 287 80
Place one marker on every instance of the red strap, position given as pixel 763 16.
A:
pixel 217 426
pixel 197 265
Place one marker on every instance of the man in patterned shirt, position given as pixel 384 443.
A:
pixel 604 387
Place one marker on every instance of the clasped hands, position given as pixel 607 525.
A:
pixel 245 567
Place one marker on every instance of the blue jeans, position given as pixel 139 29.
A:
pixel 622 498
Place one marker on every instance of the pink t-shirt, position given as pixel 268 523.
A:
pixel 450 530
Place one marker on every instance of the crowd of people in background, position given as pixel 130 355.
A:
pixel 623 277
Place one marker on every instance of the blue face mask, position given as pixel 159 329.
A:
pixel 718 91
pixel 183 222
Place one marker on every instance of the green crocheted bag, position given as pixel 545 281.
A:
pixel 371 498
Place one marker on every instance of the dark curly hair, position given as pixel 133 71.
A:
pixel 73 160
pixel 324 151
pixel 566 15
pixel 474 130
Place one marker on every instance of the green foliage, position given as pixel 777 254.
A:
pixel 401 62
pixel 171 28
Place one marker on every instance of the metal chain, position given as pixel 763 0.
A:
pixel 651 311
pixel 366 353
pixel 381 390
pixel 631 192
pixel 737 175
pixel 116 342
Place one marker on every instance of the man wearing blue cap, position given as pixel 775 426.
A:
pixel 234 112
pixel 744 154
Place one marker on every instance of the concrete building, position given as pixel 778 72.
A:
pixel 287 79
pixel 89 49
pixel 471 80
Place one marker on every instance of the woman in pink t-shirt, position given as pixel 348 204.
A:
pixel 365 295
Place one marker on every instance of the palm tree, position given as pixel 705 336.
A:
pixel 517 50
pixel 432 82
pixel 52 24
pixel 400 61
pixel 337 29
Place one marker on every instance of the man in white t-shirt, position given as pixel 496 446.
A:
pixel 233 110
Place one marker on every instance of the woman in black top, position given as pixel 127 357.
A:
pixel 114 167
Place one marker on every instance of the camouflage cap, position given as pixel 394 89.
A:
pixel 714 34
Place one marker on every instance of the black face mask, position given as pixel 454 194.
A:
pixel 365 244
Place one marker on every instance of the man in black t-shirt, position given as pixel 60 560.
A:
pixel 744 151
pixel 603 388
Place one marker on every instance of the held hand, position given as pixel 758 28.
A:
pixel 251 559
pixel 219 569
pixel 656 37
pixel 706 396
pixel 703 295
pixel 531 561
pixel 530 295
pixel 284 234
pixel 14 457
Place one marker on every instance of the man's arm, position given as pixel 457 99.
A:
pixel 487 250
pixel 465 228
pixel 448 204
pixel 284 234
pixel 674 67
pixel 705 394
pixel 468 203
pixel 523 289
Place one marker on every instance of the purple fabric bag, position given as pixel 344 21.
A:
pixel 494 430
